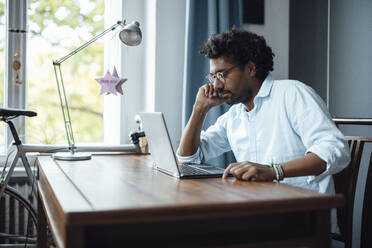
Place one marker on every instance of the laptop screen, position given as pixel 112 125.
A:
pixel 159 142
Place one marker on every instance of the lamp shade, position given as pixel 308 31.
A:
pixel 131 34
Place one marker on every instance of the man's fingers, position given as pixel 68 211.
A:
pixel 227 170
pixel 249 171
pixel 205 91
pixel 212 91
pixel 249 175
pixel 240 170
pixel 210 86
pixel 204 88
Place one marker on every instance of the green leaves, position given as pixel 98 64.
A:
pixel 43 13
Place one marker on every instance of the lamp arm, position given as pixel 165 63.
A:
pixel 112 28
pixel 64 107
pixel 61 86
pixel 62 93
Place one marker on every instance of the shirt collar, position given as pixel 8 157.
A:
pixel 266 87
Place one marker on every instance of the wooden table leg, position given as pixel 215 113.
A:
pixel 75 237
pixel 41 229
pixel 323 229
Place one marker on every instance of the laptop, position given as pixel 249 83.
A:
pixel 162 152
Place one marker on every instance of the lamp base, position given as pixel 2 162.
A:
pixel 68 156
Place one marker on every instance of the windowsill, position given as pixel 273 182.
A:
pixel 19 170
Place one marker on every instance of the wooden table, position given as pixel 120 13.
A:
pixel 119 200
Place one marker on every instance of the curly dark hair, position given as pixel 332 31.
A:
pixel 239 47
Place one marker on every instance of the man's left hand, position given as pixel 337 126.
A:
pixel 250 171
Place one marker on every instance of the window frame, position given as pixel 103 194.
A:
pixel 15 42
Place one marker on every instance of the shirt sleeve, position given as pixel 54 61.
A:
pixel 311 120
pixel 213 142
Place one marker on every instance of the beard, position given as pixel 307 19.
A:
pixel 231 98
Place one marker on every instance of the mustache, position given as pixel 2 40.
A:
pixel 222 91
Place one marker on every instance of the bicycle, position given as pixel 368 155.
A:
pixel 17 236
pixel 27 237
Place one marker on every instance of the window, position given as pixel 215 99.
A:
pixel 55 29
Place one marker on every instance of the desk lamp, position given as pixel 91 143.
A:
pixel 130 35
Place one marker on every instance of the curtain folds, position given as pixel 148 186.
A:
pixel 205 17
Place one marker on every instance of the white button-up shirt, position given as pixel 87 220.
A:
pixel 288 120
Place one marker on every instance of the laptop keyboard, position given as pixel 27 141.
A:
pixel 190 170
pixel 199 169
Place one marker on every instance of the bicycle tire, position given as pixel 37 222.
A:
pixel 16 234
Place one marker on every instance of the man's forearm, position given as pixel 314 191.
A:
pixel 190 139
pixel 310 164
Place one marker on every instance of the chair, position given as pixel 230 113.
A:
pixel 346 180
pixel 366 237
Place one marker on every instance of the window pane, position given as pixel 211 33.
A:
pixel 56 29
pixel 2 68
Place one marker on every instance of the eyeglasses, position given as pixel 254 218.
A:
pixel 221 75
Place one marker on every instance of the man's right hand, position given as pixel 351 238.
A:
pixel 208 97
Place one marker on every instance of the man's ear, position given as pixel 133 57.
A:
pixel 250 68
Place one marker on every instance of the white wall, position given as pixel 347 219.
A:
pixel 119 111
pixel 276 32
pixel 170 43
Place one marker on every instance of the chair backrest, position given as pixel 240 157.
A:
pixel 366 237
pixel 346 180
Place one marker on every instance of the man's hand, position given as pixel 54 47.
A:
pixel 250 171
pixel 208 97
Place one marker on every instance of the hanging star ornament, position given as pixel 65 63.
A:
pixel 120 83
pixel 111 83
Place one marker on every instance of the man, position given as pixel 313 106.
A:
pixel 277 129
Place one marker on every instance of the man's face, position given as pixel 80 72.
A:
pixel 233 82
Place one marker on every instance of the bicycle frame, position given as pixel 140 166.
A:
pixel 20 154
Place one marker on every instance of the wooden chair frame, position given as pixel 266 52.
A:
pixel 366 237
pixel 349 175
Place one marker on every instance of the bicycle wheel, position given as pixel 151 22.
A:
pixel 18 220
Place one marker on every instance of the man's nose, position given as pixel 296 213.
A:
pixel 218 84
